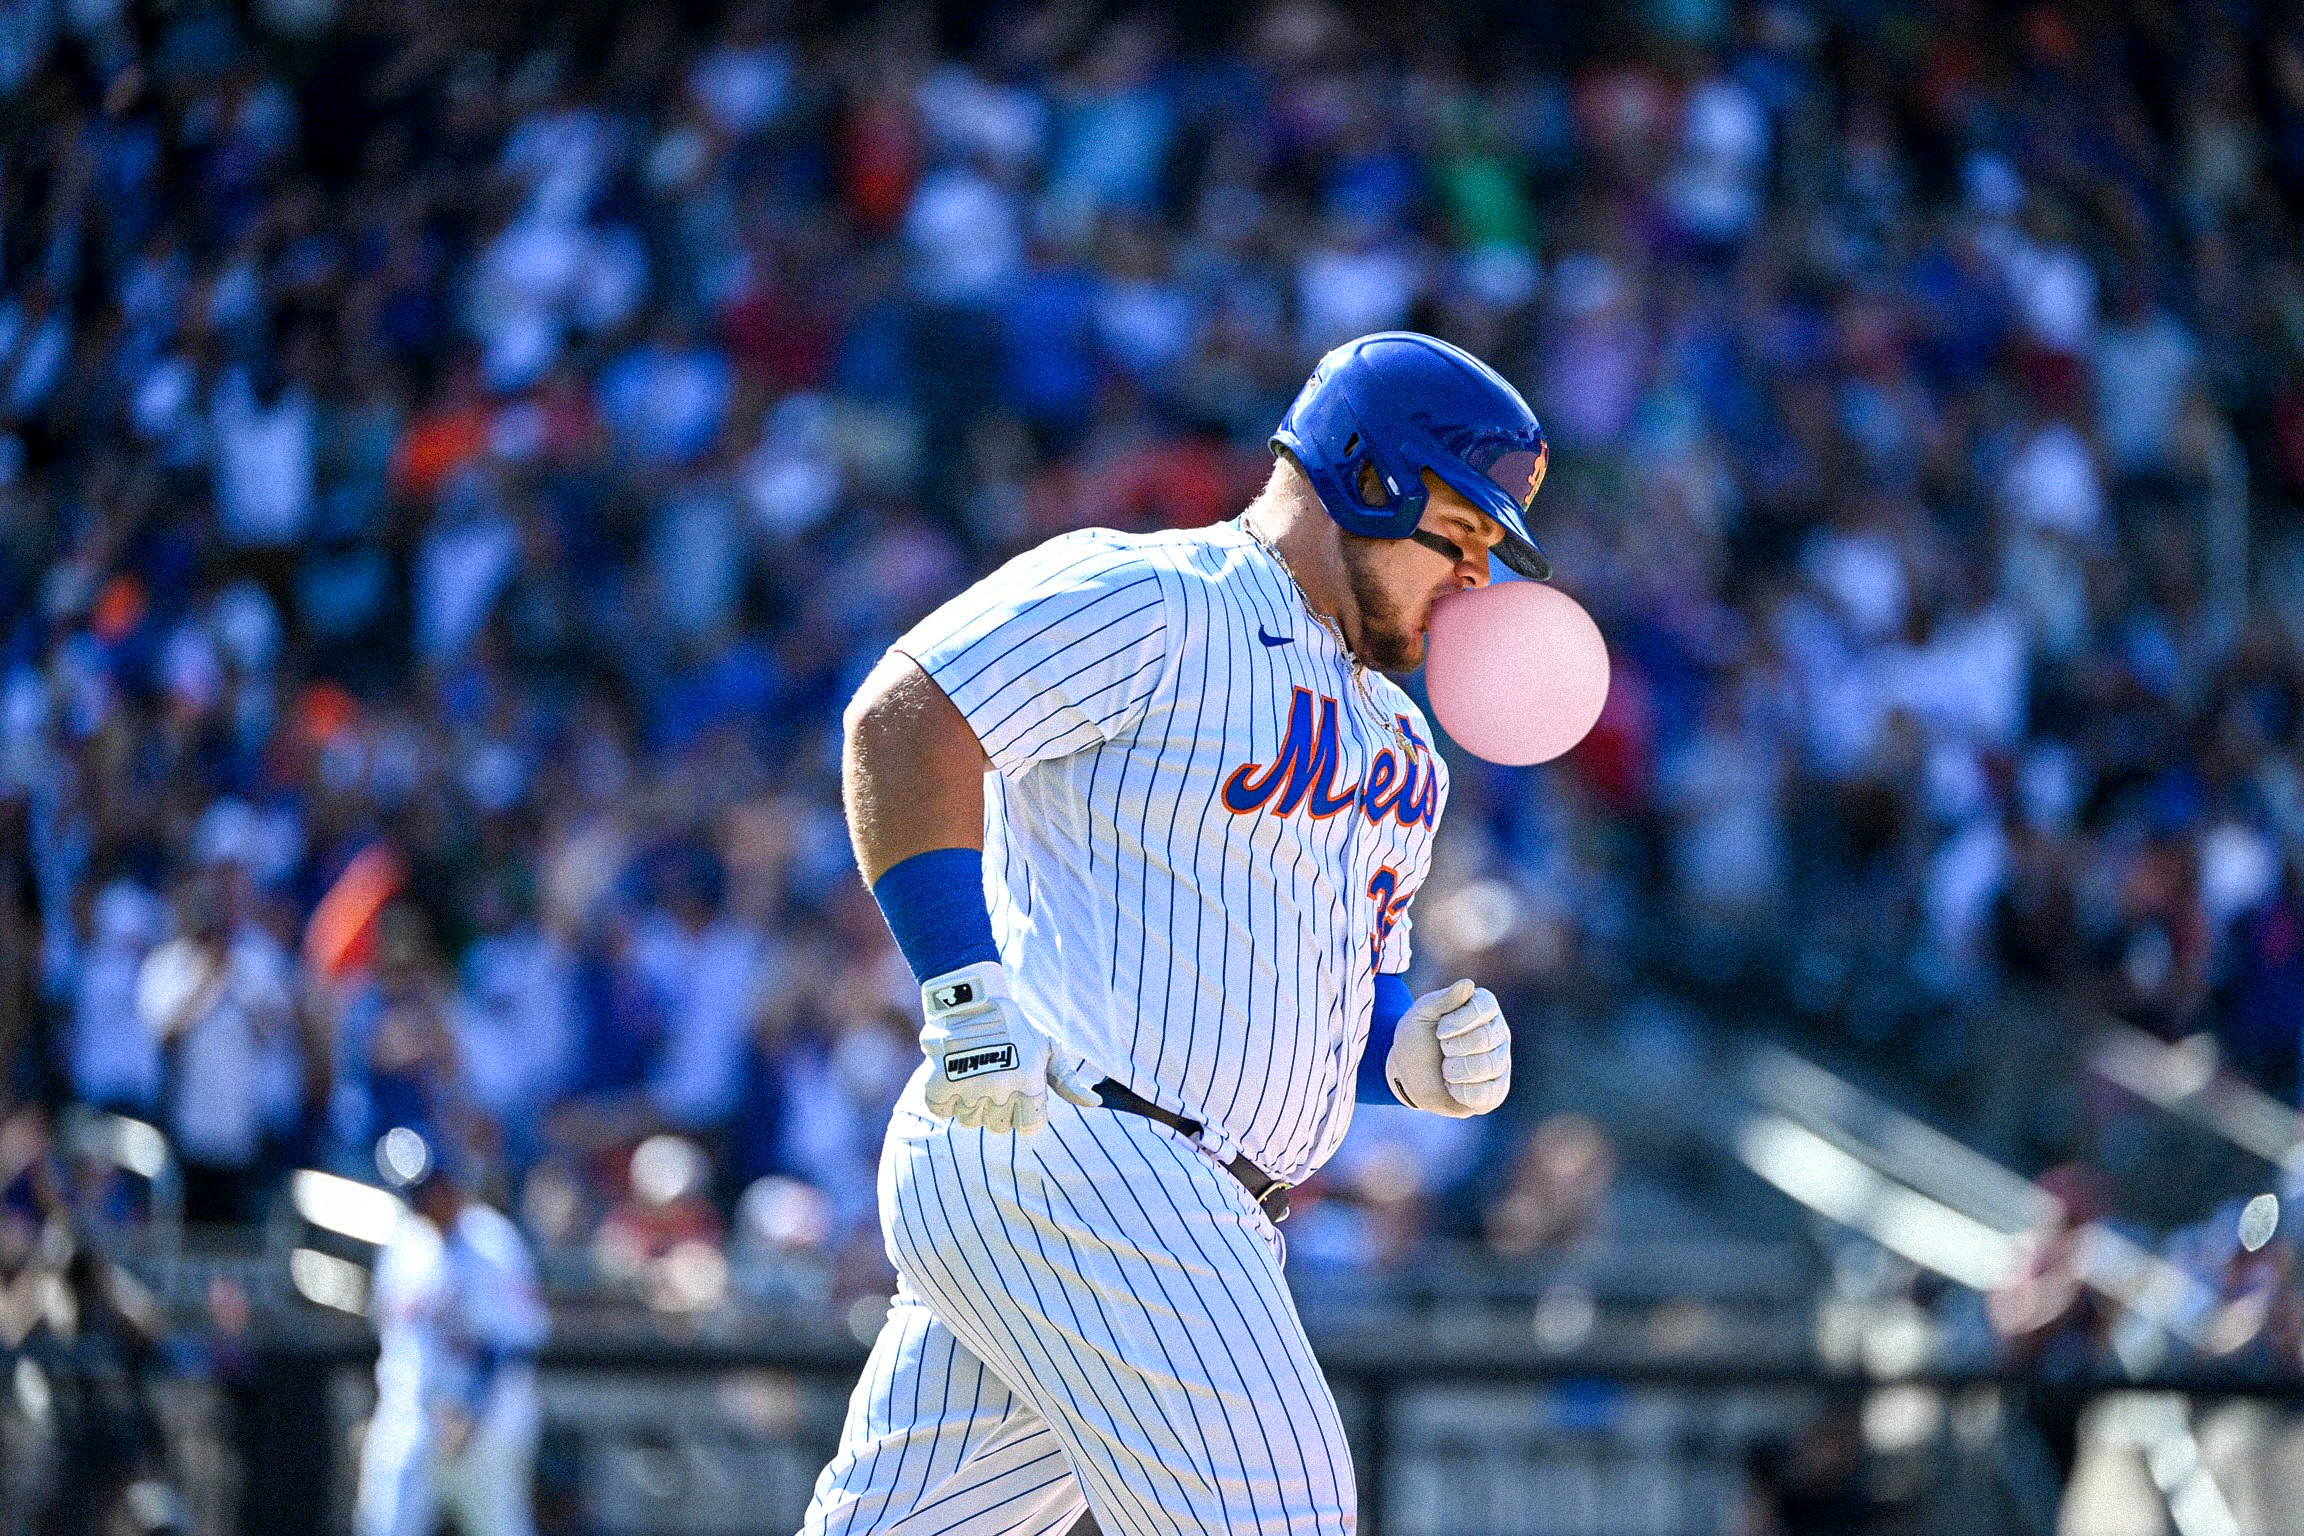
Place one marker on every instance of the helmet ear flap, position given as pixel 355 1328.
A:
pixel 1370 485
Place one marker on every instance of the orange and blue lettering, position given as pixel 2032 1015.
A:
pixel 1304 767
pixel 1391 902
pixel 1303 772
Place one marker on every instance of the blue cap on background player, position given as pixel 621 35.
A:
pixel 1379 410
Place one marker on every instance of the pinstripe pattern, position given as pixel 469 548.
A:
pixel 934 1444
pixel 1130 1293
pixel 1095 1314
pixel 1218 963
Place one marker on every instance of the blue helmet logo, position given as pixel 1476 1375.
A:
pixel 1379 411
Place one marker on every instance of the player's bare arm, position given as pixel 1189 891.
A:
pixel 912 779
pixel 911 769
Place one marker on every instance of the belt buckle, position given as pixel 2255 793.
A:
pixel 1274 1201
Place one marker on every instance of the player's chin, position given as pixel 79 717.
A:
pixel 1400 653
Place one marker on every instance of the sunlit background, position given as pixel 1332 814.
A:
pixel 456 460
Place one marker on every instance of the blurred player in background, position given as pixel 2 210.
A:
pixel 1145 815
pixel 218 1000
pixel 459 1319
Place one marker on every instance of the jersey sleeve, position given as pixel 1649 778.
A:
pixel 1399 948
pixel 1400 943
pixel 1059 649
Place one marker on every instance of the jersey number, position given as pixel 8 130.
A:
pixel 1391 902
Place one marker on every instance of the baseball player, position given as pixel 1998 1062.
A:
pixel 459 1318
pixel 1146 816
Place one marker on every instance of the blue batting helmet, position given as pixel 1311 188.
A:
pixel 1379 410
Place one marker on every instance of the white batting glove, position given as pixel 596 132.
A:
pixel 991 1067
pixel 1452 1053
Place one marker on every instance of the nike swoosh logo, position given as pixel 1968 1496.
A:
pixel 1274 639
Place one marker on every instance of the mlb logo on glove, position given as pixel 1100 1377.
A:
pixel 958 995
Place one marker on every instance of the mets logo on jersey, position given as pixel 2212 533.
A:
pixel 1303 774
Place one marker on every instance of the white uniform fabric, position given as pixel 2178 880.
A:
pixel 1201 835
pixel 442 1305
pixel 1202 831
pixel 1092 1317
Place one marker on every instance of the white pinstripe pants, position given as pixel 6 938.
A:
pixel 1091 1317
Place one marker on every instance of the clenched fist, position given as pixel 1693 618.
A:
pixel 1452 1053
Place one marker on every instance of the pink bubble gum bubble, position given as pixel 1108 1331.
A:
pixel 1516 672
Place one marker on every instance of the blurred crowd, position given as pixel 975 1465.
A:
pixel 456 461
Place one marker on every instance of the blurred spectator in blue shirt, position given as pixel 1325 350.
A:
pixel 667 399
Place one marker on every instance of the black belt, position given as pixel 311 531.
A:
pixel 1268 1192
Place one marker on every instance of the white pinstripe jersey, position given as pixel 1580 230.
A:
pixel 1201 832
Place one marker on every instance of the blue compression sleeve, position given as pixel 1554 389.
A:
pixel 934 903
pixel 1392 1000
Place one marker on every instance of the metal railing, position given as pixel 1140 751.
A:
pixel 1453 1434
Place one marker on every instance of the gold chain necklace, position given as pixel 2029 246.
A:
pixel 1390 722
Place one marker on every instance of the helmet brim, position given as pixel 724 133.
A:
pixel 1518 548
